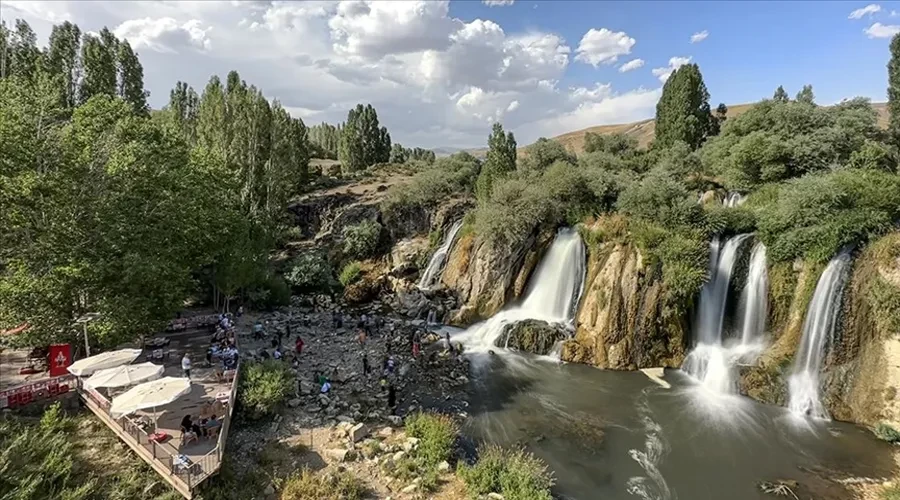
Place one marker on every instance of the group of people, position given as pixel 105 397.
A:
pixel 205 427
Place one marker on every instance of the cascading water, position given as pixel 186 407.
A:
pixel 709 362
pixel 552 296
pixel 436 264
pixel 733 199
pixel 818 330
pixel 754 307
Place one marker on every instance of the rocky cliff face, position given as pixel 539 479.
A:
pixel 486 275
pixel 622 322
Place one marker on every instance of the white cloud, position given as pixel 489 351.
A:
pixel 631 65
pixel 868 10
pixel 498 3
pixel 699 36
pixel 674 63
pixel 164 34
pixel 603 46
pixel 879 30
pixel 512 106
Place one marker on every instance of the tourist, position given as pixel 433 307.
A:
pixel 449 344
pixel 240 311
pixel 361 337
pixel 326 386
pixel 365 363
pixel 390 365
pixel 212 426
pixel 188 432
pixel 362 321
pixel 416 347
pixel 186 365
pixel 258 330
pixel 299 345
pixel 276 354
pixel 392 398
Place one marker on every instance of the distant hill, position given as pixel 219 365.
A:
pixel 644 131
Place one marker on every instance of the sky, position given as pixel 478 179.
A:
pixel 440 73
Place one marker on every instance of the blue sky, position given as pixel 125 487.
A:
pixel 440 73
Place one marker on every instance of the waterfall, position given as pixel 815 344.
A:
pixel 436 264
pixel 552 295
pixel 818 330
pixel 733 199
pixel 754 299
pixel 710 362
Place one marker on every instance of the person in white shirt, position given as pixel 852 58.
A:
pixel 186 365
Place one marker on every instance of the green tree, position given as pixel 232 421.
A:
pixel 184 106
pixel 543 153
pixel 131 80
pixel 63 59
pixel 351 151
pixel 99 56
pixel 780 95
pixel 683 113
pixel 399 154
pixel 501 159
pixel 806 95
pixel 21 54
pixel 893 90
pixel 211 123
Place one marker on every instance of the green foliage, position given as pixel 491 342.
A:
pixel 515 474
pixel 780 95
pixel 272 293
pixel 814 216
pixel 661 199
pixel 806 96
pixel 543 153
pixel 351 273
pixel 893 91
pixel 310 272
pixel 264 387
pixel 363 143
pixel 890 493
pixel 887 433
pixel 873 155
pixel 683 113
pixel 436 434
pixel 450 176
pixel 324 139
pixel 361 240
pixel 501 159
pixel 337 485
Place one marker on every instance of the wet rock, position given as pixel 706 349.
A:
pixel 533 336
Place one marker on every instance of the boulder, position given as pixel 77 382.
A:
pixel 407 255
pixel 533 336
pixel 336 454
pixel 359 432
pixel 363 291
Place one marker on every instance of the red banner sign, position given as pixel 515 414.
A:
pixel 59 359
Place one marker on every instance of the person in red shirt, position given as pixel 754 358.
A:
pixel 299 346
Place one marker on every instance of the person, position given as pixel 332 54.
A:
pixel 187 430
pixel 212 426
pixel 392 398
pixel 299 345
pixel 365 361
pixel 361 337
pixel 257 330
pixel 363 321
pixel 390 364
pixel 277 353
pixel 326 386
pixel 186 365
pixel 415 348
pixel 449 344
pixel 240 311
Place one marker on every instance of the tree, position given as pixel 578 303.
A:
pixel 23 54
pixel 543 153
pixel 63 59
pixel 806 95
pixel 780 95
pixel 721 112
pixel 211 121
pixel 399 154
pixel 324 139
pixel 501 159
pixel 683 113
pixel 99 56
pixel 131 80
pixel 351 150
pixel 893 91
pixel 184 106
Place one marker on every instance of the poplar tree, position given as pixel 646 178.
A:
pixel 131 80
pixel 806 95
pixel 893 90
pixel 63 59
pixel 501 159
pixel 99 56
pixel 682 113
pixel 780 95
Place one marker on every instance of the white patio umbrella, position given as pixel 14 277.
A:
pixel 125 375
pixel 102 361
pixel 149 395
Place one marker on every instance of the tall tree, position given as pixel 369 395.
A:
pixel 99 56
pixel 23 53
pixel 131 80
pixel 893 90
pixel 806 95
pixel 211 122
pixel 351 150
pixel 780 95
pixel 501 159
pixel 682 113
pixel 184 106
pixel 63 59
pixel 399 154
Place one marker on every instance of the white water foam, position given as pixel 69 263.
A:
pixel 436 264
pixel 653 485
pixel 553 294
pixel 818 330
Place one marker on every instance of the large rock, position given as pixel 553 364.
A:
pixel 533 336
pixel 407 255
pixel 359 432
pixel 363 291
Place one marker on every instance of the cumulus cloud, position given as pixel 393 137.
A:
pixel 631 65
pixel 512 106
pixel 164 34
pixel 603 46
pixel 498 3
pixel 879 30
pixel 674 63
pixel 699 36
pixel 868 10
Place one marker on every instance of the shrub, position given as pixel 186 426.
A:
pixel 451 176
pixel 350 273
pixel 264 388
pixel 272 293
pixel 310 272
pixel 361 240
pixel 436 434
pixel 515 474
pixel 543 153
pixel 887 433
pixel 339 485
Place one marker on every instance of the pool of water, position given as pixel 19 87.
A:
pixel 619 435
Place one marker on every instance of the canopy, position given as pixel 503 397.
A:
pixel 149 395
pixel 125 375
pixel 102 361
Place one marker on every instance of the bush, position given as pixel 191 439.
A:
pixel 515 474
pixel 436 434
pixel 272 293
pixel 543 153
pixel 350 273
pixel 887 433
pixel 310 272
pixel 361 240
pixel 451 176
pixel 339 485
pixel 264 388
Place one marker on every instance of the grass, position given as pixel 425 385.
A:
pixel 339 485
pixel 890 493
pixel 516 474
pixel 887 433
pixel 350 273
pixel 436 434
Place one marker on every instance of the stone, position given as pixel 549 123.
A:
pixel 395 420
pixel 270 490
pixel 385 432
pixel 443 466
pixel 359 432
pixel 410 444
pixel 398 456
pixel 344 418
pixel 323 400
pixel 495 496
pixel 336 454
pixel 533 336
pixel 293 403
pixel 409 489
